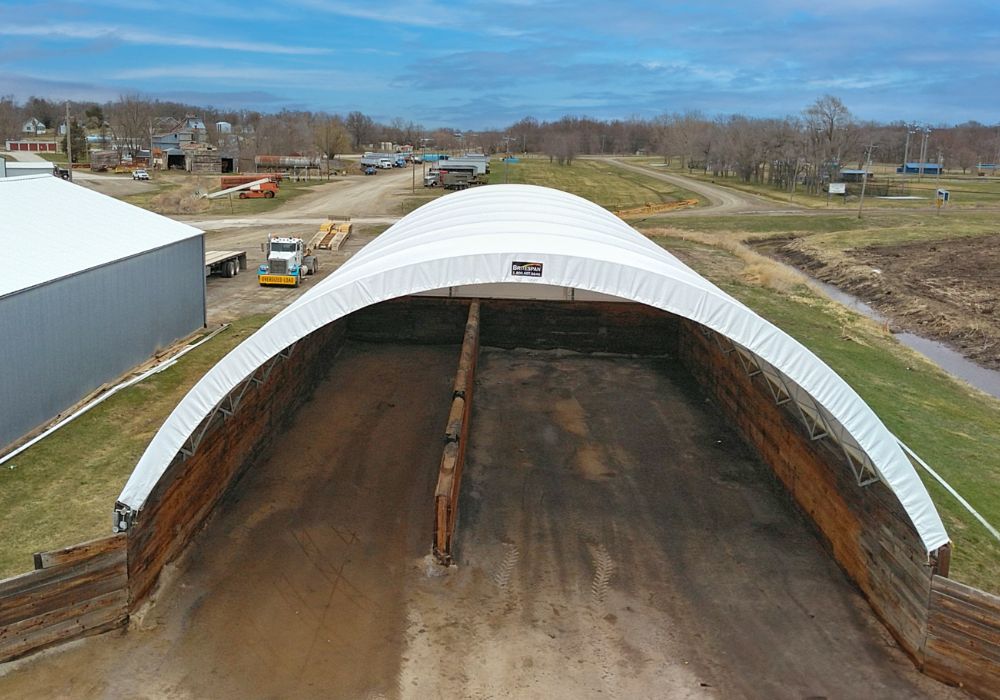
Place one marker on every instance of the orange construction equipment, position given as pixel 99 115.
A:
pixel 264 189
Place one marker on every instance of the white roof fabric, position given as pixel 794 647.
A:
pixel 474 237
pixel 78 229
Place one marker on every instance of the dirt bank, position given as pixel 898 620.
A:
pixel 947 290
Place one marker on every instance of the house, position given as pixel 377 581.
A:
pixel 33 126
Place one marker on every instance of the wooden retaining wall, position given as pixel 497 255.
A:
pixel 187 492
pixel 865 528
pixel 951 630
pixel 583 326
pixel 73 592
pixel 963 638
pixel 456 438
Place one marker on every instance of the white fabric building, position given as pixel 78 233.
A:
pixel 517 236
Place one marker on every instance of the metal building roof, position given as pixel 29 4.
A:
pixel 524 234
pixel 70 229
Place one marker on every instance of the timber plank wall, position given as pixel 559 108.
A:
pixel 74 592
pixel 190 488
pixel 456 440
pixel 865 528
pixel 963 637
pixel 952 631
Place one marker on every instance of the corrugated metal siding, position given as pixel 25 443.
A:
pixel 62 340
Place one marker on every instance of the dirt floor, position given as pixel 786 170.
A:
pixel 946 290
pixel 615 540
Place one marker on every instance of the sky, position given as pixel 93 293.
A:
pixel 474 64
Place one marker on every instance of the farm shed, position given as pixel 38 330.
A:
pixel 27 168
pixel 99 287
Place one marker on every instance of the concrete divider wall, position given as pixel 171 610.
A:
pixel 74 592
pixel 184 497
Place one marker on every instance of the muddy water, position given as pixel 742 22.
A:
pixel 952 362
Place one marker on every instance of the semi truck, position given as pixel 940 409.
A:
pixel 288 262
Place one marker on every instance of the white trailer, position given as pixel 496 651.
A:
pixel 225 263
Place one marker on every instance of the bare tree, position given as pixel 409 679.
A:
pixel 10 117
pixel 331 136
pixel 361 127
pixel 131 119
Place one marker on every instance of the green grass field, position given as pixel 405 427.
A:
pixel 954 428
pixel 61 490
pixel 173 193
pixel 609 186
pixel 965 192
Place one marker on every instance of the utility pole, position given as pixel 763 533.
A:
pixel 864 177
pixel 923 150
pixel 910 130
pixel 69 143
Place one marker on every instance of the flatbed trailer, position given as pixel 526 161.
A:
pixel 225 263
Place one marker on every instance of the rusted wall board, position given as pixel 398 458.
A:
pixel 963 637
pixel 82 590
pixel 184 497
pixel 77 552
pixel 865 528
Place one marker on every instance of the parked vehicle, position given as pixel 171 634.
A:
pixel 457 180
pixel 264 189
pixel 140 174
pixel 370 170
pixel 385 163
pixel 432 179
pixel 288 261
pixel 225 263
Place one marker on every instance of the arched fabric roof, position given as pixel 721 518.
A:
pixel 474 237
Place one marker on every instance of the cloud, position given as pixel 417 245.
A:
pixel 132 35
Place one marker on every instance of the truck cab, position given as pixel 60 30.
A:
pixel 288 261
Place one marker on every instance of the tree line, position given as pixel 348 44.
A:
pixel 805 148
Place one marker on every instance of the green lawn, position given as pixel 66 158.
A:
pixel 174 193
pixel 953 427
pixel 609 186
pixel 61 490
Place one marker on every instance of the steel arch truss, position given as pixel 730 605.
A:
pixel 818 422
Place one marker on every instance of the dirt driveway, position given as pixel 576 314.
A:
pixel 366 200
pixel 615 541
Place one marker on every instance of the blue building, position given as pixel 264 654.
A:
pixel 914 169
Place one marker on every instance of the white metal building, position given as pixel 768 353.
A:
pixel 91 288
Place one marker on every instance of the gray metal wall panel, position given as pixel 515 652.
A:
pixel 60 341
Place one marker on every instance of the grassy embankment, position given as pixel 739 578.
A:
pixel 967 191
pixel 177 194
pixel 609 186
pixel 61 490
pixel 953 427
